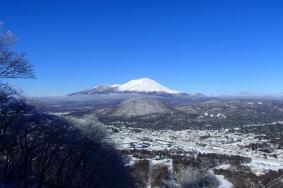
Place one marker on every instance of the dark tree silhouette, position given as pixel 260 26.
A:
pixel 42 150
pixel 12 63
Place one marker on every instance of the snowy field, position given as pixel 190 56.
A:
pixel 201 141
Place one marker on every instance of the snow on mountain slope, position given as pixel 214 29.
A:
pixel 144 85
pixel 133 86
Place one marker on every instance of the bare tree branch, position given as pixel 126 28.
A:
pixel 12 63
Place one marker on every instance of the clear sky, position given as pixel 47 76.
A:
pixel 214 47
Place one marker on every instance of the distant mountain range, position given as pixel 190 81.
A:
pixel 142 85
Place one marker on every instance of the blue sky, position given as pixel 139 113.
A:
pixel 215 47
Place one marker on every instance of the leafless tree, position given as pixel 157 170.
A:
pixel 42 150
pixel 90 127
pixel 193 178
pixel 12 63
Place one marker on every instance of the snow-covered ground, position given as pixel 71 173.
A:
pixel 201 141
pixel 263 124
pixel 223 182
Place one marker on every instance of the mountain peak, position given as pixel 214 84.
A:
pixel 142 85
pixel 145 85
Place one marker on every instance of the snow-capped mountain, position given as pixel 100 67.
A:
pixel 142 85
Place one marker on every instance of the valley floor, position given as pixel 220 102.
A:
pixel 261 156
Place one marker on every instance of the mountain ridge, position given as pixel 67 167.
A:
pixel 142 85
